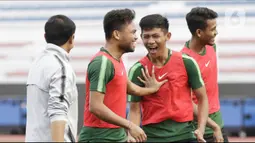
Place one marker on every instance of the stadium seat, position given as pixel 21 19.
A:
pixel 10 110
pixel 231 112
pixel 249 112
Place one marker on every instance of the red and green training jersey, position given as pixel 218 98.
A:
pixel 207 61
pixel 104 74
pixel 167 114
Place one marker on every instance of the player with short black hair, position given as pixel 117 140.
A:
pixel 107 84
pixel 167 115
pixel 202 24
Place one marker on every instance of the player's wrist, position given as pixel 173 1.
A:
pixel 216 127
pixel 201 130
pixel 129 125
pixel 154 89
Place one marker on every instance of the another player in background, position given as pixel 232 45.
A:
pixel 202 24
pixel 52 104
pixel 167 115
pixel 107 84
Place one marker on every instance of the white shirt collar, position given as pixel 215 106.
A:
pixel 58 50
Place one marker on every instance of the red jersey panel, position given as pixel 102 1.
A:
pixel 209 70
pixel 115 95
pixel 173 100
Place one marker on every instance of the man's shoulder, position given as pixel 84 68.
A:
pixel 142 61
pixel 189 61
pixel 188 58
pixel 46 62
pixel 178 54
pixel 100 56
pixel 137 64
pixel 98 60
pixel 42 70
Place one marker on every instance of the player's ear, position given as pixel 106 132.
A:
pixel 198 33
pixel 71 39
pixel 168 35
pixel 116 34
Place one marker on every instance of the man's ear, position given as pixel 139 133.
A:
pixel 199 32
pixel 71 39
pixel 168 35
pixel 116 34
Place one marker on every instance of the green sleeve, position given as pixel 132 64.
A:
pixel 214 46
pixel 100 72
pixel 194 75
pixel 133 73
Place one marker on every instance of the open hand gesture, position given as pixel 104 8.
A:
pixel 150 81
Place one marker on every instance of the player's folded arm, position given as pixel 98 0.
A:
pixel 60 96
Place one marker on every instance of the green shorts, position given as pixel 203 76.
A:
pixel 90 134
pixel 170 131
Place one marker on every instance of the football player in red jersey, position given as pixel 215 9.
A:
pixel 202 24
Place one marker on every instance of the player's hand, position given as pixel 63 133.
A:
pixel 199 136
pixel 151 81
pixel 218 135
pixel 137 133
pixel 130 139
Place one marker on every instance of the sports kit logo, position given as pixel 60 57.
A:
pixel 235 17
pixel 160 77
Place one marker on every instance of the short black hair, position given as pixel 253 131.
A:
pixel 115 19
pixel 58 29
pixel 197 18
pixel 154 21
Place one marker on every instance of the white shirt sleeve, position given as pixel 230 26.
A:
pixel 60 93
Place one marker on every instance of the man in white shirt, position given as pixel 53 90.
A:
pixel 52 105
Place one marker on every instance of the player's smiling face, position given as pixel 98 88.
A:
pixel 128 37
pixel 209 33
pixel 155 40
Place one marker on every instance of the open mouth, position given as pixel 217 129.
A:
pixel 153 50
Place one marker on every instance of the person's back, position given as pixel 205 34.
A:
pixel 37 103
pixel 39 85
pixel 52 104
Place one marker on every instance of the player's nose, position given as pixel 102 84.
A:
pixel 151 40
pixel 216 32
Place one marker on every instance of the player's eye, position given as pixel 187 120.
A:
pixel 146 36
pixel 155 36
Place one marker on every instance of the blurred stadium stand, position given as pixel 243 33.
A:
pixel 22 29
